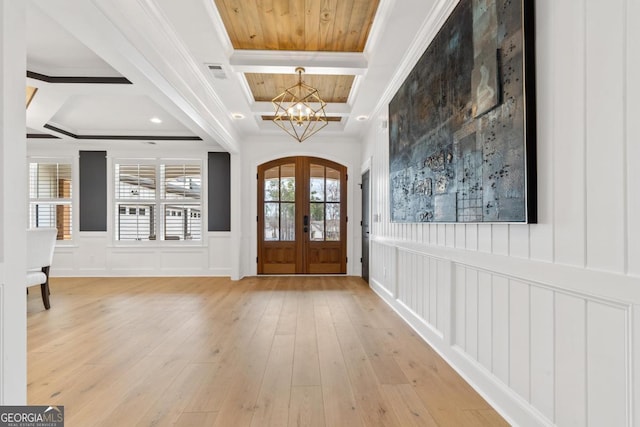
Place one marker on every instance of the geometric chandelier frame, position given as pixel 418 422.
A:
pixel 299 110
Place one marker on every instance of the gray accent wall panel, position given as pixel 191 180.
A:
pixel 93 191
pixel 219 191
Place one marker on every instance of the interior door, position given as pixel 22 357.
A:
pixel 302 217
pixel 365 226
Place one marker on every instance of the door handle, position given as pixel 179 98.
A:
pixel 305 222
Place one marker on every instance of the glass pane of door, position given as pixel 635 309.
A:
pixel 333 185
pixel 324 199
pixel 316 183
pixel 271 221
pixel 316 228
pixel 272 184
pixel 279 203
pixel 333 222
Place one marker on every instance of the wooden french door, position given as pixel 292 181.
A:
pixel 302 216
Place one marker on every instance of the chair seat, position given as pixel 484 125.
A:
pixel 35 278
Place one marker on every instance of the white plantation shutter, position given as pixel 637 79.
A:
pixel 135 182
pixel 50 197
pixel 158 201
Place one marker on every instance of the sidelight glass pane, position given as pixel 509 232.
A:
pixel 316 183
pixel 287 222
pixel 271 184
pixel 288 183
pixel 333 221
pixel 333 185
pixel 316 229
pixel 271 221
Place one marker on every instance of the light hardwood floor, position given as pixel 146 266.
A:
pixel 270 351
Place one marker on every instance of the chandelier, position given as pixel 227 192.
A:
pixel 299 110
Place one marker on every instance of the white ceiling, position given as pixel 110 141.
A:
pixel 163 47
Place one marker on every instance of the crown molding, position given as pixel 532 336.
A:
pixel 119 137
pixel 77 79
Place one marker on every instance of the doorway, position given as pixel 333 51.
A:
pixel 365 226
pixel 302 221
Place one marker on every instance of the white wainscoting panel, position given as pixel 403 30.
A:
pixel 556 356
pixel 219 261
pixel 134 261
pixel 519 338
pixel 542 346
pixel 183 259
pixel 501 327
pixel 608 367
pixel 571 355
pixel 93 256
pixel 382 266
pixel 63 260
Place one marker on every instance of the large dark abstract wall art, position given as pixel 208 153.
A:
pixel 462 125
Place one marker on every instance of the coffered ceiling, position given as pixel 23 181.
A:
pixel 321 25
pixel 209 68
pixel 298 25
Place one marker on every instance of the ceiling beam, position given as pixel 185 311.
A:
pixel 332 108
pixel 285 62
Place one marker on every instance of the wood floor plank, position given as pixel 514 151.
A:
pixel 196 419
pixel 306 407
pixel 272 405
pixel 204 351
pixel 306 366
pixel 248 370
pixel 374 409
pixel 384 365
pixel 289 314
pixel 126 401
pixel 131 407
pixel 339 402
pixel 407 406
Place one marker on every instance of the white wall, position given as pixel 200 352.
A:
pixel 13 213
pixel 542 319
pixel 98 254
pixel 260 150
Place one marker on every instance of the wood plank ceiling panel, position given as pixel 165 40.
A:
pixel 330 87
pixel 307 25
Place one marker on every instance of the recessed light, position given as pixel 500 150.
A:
pixel 362 118
pixel 237 116
pixel 155 120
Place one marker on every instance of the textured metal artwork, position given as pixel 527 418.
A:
pixel 459 131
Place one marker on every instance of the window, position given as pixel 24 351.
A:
pixel 158 201
pixel 50 192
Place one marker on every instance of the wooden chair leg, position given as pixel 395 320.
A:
pixel 45 294
pixel 44 288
